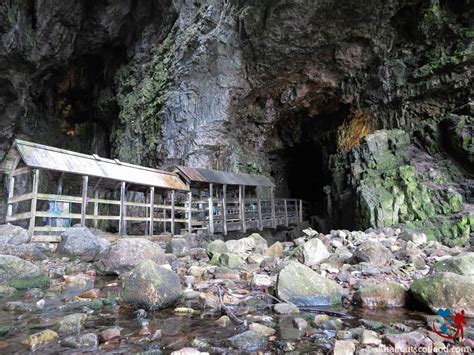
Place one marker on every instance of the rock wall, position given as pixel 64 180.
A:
pixel 256 86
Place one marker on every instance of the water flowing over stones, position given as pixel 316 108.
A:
pixel 255 300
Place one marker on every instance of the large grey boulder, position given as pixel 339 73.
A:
pixel 249 341
pixel 149 286
pixel 13 235
pixel 300 285
pixel 126 253
pixel 82 243
pixel 15 241
pixel 314 252
pixel 217 247
pixel 446 290
pixel 462 264
pixel 373 253
pixel 385 294
pixel 21 274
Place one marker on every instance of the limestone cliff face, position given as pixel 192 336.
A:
pixel 258 86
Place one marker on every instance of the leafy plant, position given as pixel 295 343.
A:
pixel 359 125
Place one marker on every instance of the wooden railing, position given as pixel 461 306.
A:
pixel 214 215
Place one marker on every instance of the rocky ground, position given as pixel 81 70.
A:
pixel 345 292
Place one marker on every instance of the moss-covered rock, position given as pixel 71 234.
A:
pixel 446 290
pixel 232 261
pixel 300 285
pixel 216 247
pixel 149 286
pixel 386 294
pixel 462 264
pixel 21 274
pixel 390 191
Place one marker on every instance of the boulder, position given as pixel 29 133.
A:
pixel 241 246
pixel 72 323
pixel 413 339
pixel 40 338
pixel 262 329
pixel 462 264
pixel 182 245
pixel 276 250
pixel 249 341
pixel 446 290
pixel 314 252
pixel 416 237
pixel 88 340
pixel 344 347
pixel 126 253
pixel 374 253
pixel 386 294
pixel 21 274
pixel 260 243
pixel 217 247
pixel 300 285
pixel 81 242
pixel 28 251
pixel 13 235
pixel 232 261
pixel 149 286
pixel 15 241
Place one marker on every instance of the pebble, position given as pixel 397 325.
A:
pixel 285 308
pixel 263 329
pixel 40 338
pixel 369 337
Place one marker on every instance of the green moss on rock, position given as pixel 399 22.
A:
pixel 25 284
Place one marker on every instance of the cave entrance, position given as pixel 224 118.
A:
pixel 301 164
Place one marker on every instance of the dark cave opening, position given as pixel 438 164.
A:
pixel 302 168
pixel 304 162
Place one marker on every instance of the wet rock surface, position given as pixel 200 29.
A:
pixel 126 253
pixel 266 303
pixel 150 286
pixel 81 242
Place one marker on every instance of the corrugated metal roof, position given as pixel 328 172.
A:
pixel 46 157
pixel 223 177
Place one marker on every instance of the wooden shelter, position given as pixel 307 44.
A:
pixel 51 189
pixel 235 201
pixel 91 177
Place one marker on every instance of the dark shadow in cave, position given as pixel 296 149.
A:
pixel 301 168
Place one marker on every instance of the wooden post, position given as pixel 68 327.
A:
pixel 190 214
pixel 301 211
pixel 122 223
pixel 210 227
pixel 172 211
pixel 11 187
pixel 272 201
pixel 60 184
pixel 297 218
pixel 147 211
pixel 286 212
pixel 152 210
pixel 96 207
pixel 85 181
pixel 224 209
pixel 259 207
pixel 34 200
pixel 242 207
